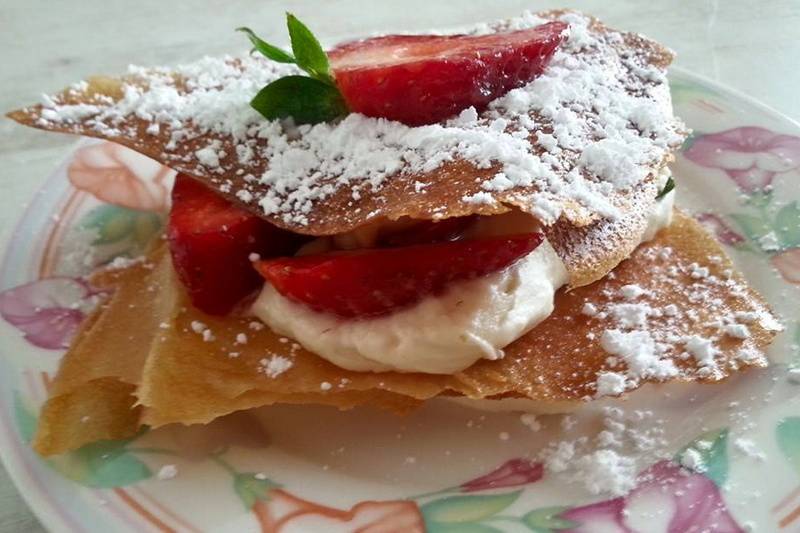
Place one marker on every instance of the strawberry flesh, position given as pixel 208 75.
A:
pixel 374 282
pixel 422 79
pixel 211 240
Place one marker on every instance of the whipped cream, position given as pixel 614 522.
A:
pixel 446 333
pixel 441 334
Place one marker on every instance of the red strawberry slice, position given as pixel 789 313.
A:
pixel 211 240
pixel 374 282
pixel 422 79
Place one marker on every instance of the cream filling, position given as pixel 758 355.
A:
pixel 439 335
pixel 446 333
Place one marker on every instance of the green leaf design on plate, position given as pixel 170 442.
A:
pixel 683 90
pixel 114 224
pixel 307 51
pixel 787 434
pixel 250 488
pixel 690 139
pixel 760 198
pixel 546 519
pixel 754 227
pixel 713 449
pixel 461 528
pixel 787 225
pixel 104 464
pixel 305 99
pixel 459 509
pixel 146 227
pixel 795 363
pixel 26 420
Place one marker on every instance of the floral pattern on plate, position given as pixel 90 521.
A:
pixel 48 311
pixel 752 157
pixel 122 177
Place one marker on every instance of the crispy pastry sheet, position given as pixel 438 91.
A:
pixel 353 205
pixel 139 361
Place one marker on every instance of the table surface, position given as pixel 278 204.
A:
pixel 752 47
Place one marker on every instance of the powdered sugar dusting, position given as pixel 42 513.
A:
pixel 608 462
pixel 274 366
pixel 592 127
pixel 648 340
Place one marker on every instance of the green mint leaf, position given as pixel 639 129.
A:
pixel 667 188
pixel 307 50
pixel 307 100
pixel 271 52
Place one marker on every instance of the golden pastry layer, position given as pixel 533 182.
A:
pixel 140 359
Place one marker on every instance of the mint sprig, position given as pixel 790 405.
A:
pixel 271 52
pixel 309 53
pixel 667 188
pixel 307 99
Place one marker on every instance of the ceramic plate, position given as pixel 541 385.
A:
pixel 448 467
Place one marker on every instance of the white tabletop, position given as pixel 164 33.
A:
pixel 751 46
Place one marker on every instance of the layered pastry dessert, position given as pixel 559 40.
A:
pixel 485 216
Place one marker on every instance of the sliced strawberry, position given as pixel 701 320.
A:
pixel 374 282
pixel 422 79
pixel 211 240
pixel 428 232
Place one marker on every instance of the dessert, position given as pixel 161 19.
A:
pixel 485 217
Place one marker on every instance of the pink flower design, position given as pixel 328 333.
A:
pixel 666 498
pixel 720 229
pixel 751 156
pixel 788 264
pixel 607 516
pixel 47 311
pixel 118 175
pixel 512 473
